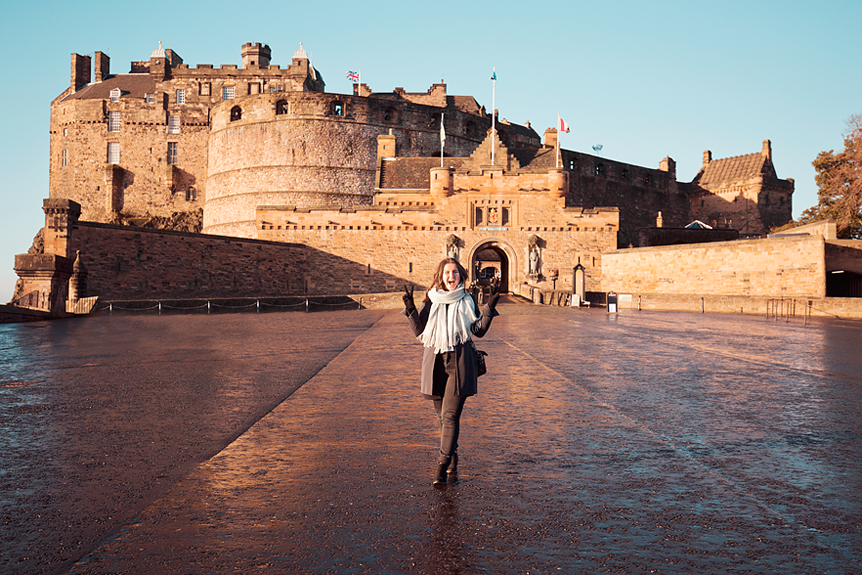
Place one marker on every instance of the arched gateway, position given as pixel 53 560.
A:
pixel 492 257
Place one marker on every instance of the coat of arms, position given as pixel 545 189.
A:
pixel 494 216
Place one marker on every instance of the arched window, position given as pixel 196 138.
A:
pixel 281 107
pixel 235 113
pixel 336 109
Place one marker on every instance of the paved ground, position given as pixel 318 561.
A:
pixel 298 443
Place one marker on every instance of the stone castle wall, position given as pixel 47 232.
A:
pixel 309 155
pixel 639 192
pixel 753 207
pixel 143 181
pixel 769 268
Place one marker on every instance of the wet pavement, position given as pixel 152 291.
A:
pixel 298 443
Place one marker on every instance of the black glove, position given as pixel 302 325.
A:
pixel 409 306
pixel 494 297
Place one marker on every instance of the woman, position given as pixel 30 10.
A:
pixel 448 318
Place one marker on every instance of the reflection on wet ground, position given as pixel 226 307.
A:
pixel 297 443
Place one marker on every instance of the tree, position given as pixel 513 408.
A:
pixel 839 177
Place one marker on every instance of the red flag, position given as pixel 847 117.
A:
pixel 564 127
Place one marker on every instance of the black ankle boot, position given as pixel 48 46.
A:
pixel 452 470
pixel 440 478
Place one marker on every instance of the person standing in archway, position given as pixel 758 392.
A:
pixel 445 325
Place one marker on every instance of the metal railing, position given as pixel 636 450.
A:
pixel 211 306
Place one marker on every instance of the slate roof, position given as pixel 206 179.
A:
pixel 414 173
pixel 134 85
pixel 736 168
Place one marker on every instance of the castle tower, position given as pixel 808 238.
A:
pixel 255 55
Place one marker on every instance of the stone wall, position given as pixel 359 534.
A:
pixel 769 268
pixel 314 149
pixel 787 309
pixel 135 263
pixel 640 193
pixel 752 206
pixel 405 236
pixel 143 181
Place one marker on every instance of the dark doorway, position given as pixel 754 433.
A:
pixel 490 263
pixel 843 284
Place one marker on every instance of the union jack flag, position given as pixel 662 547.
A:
pixel 352 76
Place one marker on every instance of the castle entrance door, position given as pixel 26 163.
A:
pixel 490 262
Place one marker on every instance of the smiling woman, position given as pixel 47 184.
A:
pixel 445 325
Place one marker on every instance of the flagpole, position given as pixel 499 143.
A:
pixel 493 114
pixel 559 133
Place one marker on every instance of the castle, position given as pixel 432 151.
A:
pixel 264 153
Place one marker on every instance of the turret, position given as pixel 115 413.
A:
pixel 255 55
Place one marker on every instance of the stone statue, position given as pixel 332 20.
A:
pixel 534 261
pixel 452 246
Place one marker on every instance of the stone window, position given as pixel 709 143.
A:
pixel 206 88
pixel 646 180
pixel 571 164
pixel 181 96
pixel 227 92
pixel 113 152
pixel 115 95
pixel 149 98
pixel 65 131
pixel 192 195
pixel 172 152
pixel 64 158
pixel 336 109
pixel 173 124
pixel 114 121
pixel 600 169
pixel 281 107
pixel 273 88
pixel 235 113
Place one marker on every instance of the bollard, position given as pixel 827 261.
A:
pixel 257 306
pixel 306 305
pixel 208 308
pixel 111 308
pixel 160 308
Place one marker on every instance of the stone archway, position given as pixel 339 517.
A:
pixel 494 258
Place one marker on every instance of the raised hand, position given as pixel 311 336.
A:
pixel 408 298
pixel 494 296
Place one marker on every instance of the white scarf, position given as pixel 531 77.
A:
pixel 452 314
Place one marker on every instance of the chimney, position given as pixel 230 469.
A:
pixel 668 165
pixel 102 66
pixel 80 72
pixel 767 150
pixel 707 158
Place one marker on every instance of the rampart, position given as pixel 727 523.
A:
pixel 313 149
pixel 766 268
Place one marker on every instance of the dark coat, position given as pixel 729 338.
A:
pixel 465 356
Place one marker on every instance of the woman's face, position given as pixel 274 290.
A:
pixel 451 277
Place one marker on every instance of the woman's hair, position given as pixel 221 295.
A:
pixel 437 282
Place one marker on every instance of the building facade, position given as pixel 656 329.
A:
pixel 264 153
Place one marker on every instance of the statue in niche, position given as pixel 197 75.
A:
pixel 452 246
pixel 534 255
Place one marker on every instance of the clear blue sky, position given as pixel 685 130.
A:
pixel 644 79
